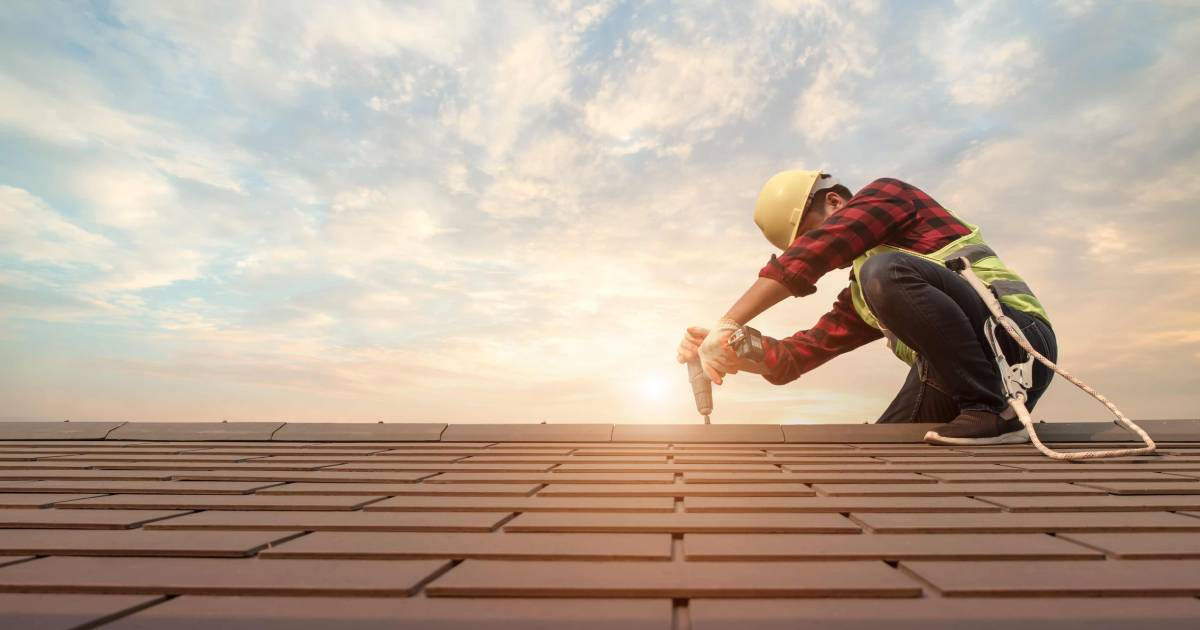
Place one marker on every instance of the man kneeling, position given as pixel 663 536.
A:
pixel 896 240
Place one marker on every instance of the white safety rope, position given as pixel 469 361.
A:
pixel 1017 402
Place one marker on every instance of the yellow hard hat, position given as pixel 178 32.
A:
pixel 783 200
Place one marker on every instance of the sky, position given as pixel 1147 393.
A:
pixel 509 212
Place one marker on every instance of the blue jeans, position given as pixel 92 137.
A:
pixel 937 313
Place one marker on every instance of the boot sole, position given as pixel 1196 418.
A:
pixel 1019 436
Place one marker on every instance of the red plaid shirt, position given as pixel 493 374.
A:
pixel 886 211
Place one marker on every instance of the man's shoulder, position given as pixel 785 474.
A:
pixel 897 190
pixel 888 186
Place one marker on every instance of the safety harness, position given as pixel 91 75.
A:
pixel 1017 379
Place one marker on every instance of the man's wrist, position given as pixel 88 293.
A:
pixel 753 367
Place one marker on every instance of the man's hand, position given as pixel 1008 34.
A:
pixel 691 347
pixel 716 357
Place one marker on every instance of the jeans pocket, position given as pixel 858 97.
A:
pixel 1033 334
pixel 1041 337
pixel 927 376
pixel 1029 327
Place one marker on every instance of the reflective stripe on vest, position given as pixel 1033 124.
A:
pixel 975 252
pixel 1010 287
pixel 1007 285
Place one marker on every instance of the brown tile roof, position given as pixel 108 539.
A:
pixel 247 525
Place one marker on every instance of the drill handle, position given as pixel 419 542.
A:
pixel 701 387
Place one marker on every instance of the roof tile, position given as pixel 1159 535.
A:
pixel 677 490
pixel 336 521
pixel 1157 578
pixel 332 476
pixel 202 612
pixel 137 487
pixel 881 547
pixel 481 578
pixel 460 545
pixel 767 433
pixel 528 433
pixel 35 500
pixel 836 504
pixel 218 576
pixel 137 542
pixel 671 468
pixel 1098 503
pixel 1159 430
pixel 56 430
pixel 806 477
pixel 436 467
pixel 1028 522
pixel 953 489
pixel 681 522
pixel 862 433
pixel 357 431
pixel 418 489
pixel 553 477
pixel 523 504
pixel 83 519
pixel 1183 486
pixel 220 502
pixel 81 475
pixel 215 431
pixel 937 613
pixel 1166 545
pixel 1078 476
pixel 47 612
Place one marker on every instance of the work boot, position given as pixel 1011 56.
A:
pixel 975 428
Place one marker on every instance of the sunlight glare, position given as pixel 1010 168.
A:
pixel 654 388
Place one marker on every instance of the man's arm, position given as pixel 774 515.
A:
pixel 720 359
pixel 761 295
pixel 837 332
pixel 868 219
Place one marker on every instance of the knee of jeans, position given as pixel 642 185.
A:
pixel 875 275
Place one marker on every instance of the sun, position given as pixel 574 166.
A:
pixel 653 388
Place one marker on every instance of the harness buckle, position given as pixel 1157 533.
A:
pixel 1016 379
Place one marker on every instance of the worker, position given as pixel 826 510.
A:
pixel 895 238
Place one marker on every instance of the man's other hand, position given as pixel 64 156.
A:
pixel 690 346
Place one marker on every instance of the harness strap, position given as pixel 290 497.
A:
pixel 1016 399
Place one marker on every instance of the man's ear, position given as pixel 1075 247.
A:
pixel 833 202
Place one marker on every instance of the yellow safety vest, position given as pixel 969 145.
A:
pixel 1004 282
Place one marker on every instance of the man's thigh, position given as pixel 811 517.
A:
pixel 973 306
pixel 956 288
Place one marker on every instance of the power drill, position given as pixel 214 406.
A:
pixel 747 343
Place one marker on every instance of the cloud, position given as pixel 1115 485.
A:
pixel 32 231
pixel 824 109
pixel 47 116
pixel 672 87
pixel 125 198
pixel 980 65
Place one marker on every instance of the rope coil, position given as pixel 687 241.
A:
pixel 1017 402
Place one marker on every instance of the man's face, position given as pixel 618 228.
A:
pixel 814 216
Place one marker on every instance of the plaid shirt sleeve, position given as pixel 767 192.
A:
pixel 869 218
pixel 838 331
